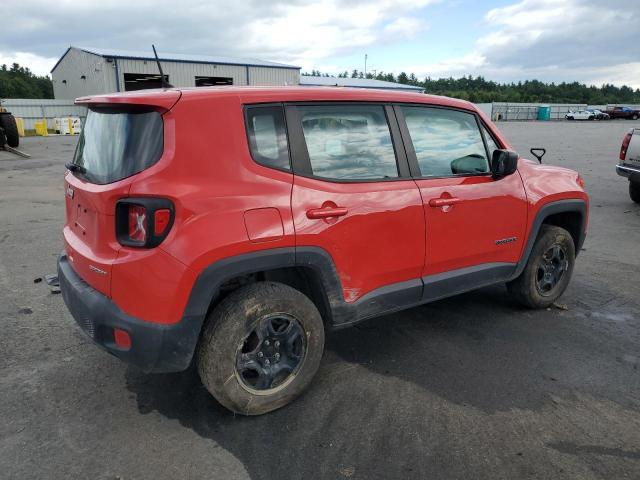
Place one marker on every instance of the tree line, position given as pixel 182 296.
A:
pixel 20 82
pixel 479 90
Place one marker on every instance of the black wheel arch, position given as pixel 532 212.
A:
pixel 308 269
pixel 569 214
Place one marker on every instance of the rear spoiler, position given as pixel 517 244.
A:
pixel 163 99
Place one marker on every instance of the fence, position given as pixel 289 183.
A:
pixel 32 110
pixel 529 111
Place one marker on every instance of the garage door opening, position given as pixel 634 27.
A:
pixel 142 81
pixel 213 81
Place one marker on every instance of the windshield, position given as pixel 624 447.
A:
pixel 116 143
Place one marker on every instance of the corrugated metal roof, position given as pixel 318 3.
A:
pixel 356 82
pixel 178 57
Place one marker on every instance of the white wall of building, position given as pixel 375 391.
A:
pixel 67 76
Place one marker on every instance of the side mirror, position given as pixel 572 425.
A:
pixel 503 163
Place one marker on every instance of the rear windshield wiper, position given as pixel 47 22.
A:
pixel 74 167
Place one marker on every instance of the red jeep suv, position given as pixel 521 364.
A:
pixel 235 226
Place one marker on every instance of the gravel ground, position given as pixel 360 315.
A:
pixel 469 387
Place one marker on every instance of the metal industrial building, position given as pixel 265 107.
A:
pixel 89 71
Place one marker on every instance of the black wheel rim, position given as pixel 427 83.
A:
pixel 271 354
pixel 551 269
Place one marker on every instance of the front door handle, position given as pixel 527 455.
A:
pixel 327 212
pixel 443 202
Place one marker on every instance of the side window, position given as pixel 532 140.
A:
pixel 446 142
pixel 268 137
pixel 348 142
pixel 491 143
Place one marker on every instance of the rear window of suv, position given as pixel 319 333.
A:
pixel 117 143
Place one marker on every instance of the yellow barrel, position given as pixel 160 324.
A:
pixel 41 128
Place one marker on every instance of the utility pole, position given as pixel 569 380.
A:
pixel 365 65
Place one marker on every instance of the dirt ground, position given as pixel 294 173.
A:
pixel 469 387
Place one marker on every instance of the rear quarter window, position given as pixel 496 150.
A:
pixel 267 136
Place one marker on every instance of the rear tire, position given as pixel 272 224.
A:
pixel 634 191
pixel 635 116
pixel 260 348
pixel 548 269
pixel 8 123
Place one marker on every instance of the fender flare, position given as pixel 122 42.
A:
pixel 560 206
pixel 207 286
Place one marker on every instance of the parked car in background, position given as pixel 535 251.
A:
pixel 599 114
pixel 240 224
pixel 629 165
pixel 580 115
pixel 623 112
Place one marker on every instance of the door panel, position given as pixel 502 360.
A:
pixel 378 241
pixel 486 224
pixel 471 218
pixel 352 195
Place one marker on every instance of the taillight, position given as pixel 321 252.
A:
pixel 625 145
pixel 137 223
pixel 143 222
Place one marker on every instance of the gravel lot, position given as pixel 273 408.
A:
pixel 469 387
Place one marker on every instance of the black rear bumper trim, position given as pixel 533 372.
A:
pixel 154 347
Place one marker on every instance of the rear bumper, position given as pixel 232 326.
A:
pixel 631 173
pixel 154 347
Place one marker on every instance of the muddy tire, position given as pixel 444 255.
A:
pixel 8 123
pixel 260 348
pixel 548 269
pixel 634 191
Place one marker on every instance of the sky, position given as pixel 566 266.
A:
pixel 590 41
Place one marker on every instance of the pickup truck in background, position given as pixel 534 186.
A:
pixel 623 112
pixel 629 165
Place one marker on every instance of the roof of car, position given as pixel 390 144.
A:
pixel 248 94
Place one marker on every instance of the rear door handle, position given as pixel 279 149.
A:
pixel 443 202
pixel 327 212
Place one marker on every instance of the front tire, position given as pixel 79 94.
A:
pixel 634 191
pixel 548 270
pixel 260 348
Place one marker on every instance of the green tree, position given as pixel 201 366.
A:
pixel 20 82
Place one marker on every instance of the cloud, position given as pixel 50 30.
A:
pixel 553 40
pixel 36 63
pixel 293 31
pixel 593 41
